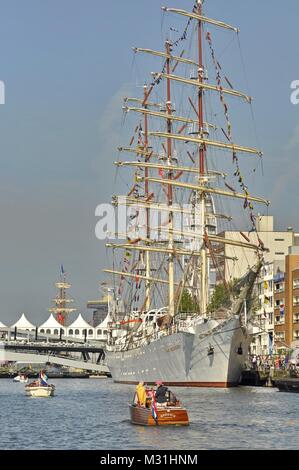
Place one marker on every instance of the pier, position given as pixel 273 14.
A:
pixel 28 347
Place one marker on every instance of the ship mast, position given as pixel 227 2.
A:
pixel 170 172
pixel 147 253
pixel 170 187
pixel 202 180
pixel 61 301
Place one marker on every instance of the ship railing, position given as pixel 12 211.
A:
pixel 147 339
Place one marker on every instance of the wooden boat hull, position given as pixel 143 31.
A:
pixel 177 416
pixel 40 392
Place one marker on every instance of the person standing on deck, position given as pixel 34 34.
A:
pixel 141 394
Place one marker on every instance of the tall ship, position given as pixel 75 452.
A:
pixel 176 314
pixel 61 304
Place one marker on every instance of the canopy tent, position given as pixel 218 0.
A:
pixel 51 326
pixel 23 324
pixel 80 327
pixel 101 331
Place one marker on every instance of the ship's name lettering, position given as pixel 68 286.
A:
pixel 173 348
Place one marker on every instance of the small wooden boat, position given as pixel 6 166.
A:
pixel 172 413
pixel 39 391
pixel 40 388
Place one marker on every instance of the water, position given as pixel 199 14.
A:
pixel 93 414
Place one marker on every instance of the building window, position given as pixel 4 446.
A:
pixel 279 253
pixel 296 301
pixel 48 332
pixel 77 332
pixel 280 335
pixel 105 332
pixel 71 332
pixel 90 332
pixel 99 332
pixel 42 330
pixel 279 286
pixel 296 284
pixel 279 239
pixel 296 334
pixel 55 332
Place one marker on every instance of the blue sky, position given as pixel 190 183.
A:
pixel 66 64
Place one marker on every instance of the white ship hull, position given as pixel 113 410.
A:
pixel 185 359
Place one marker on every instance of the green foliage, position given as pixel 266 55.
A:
pixel 221 297
pixel 188 305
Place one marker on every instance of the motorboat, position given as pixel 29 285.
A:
pixel 153 414
pixel 40 388
pixel 21 378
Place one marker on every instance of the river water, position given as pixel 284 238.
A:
pixel 93 414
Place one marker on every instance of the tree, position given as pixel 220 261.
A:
pixel 221 297
pixel 188 305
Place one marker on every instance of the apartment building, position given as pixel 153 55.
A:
pixel 286 302
pixel 277 242
pixel 263 321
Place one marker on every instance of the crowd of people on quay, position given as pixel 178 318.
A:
pixel 276 361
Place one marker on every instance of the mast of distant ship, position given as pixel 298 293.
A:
pixel 61 309
pixel 202 180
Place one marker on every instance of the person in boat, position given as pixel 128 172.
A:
pixel 161 393
pixel 141 394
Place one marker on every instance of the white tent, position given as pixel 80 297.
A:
pixel 101 331
pixel 51 326
pixel 23 324
pixel 2 325
pixel 79 327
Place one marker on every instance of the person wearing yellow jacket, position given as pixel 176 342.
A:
pixel 141 394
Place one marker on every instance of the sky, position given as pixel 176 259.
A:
pixel 66 65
